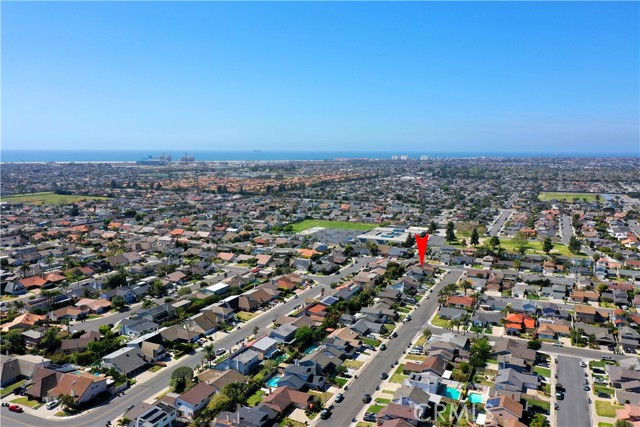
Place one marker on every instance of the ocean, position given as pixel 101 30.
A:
pixel 33 156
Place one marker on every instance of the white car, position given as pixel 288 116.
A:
pixel 584 365
pixel 557 344
pixel 52 404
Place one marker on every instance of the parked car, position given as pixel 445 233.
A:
pixel 559 395
pixel 586 387
pixel 325 414
pixel 220 351
pixel 15 408
pixel 602 395
pixel 584 365
pixel 557 344
pixel 383 347
pixel 366 398
pixel 52 404
pixel 339 397
pixel 384 375
pixel 370 417
pixel 606 358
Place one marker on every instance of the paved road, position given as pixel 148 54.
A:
pixel 574 409
pixel 512 200
pixel 566 229
pixel 369 378
pixel 499 223
pixel 116 407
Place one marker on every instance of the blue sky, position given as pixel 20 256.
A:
pixel 494 77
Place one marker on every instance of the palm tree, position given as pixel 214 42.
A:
pixel 24 269
pixel 466 285
pixel 208 353
pixel 67 402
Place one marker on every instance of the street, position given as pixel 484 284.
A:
pixel 574 409
pixel 566 229
pixel 499 223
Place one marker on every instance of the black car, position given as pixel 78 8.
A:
pixel 325 414
pixel 559 395
pixel 366 398
pixel 383 347
pixel 602 395
pixel 384 375
pixel 370 417
pixel 339 397
pixel 394 335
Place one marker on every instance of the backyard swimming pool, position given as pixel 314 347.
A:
pixel 273 382
pixel 474 398
pixel 452 393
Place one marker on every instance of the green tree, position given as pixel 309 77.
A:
pixel 147 304
pixel 409 241
pixel 623 423
pixel 184 291
pixel 475 237
pixel 50 341
pixel 208 353
pixel 13 342
pixel 157 289
pixel 574 245
pixel 450 233
pixel 539 420
pixel 67 402
pixel 426 333
pixel 547 245
pixel 304 337
pixel 494 241
pixel 180 377
pixel 479 353
pixel 118 302
pixel 534 344
pixel 372 247
pixel 432 227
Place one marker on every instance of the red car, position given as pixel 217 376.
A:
pixel 15 408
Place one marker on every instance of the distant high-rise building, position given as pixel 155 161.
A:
pixel 424 157
pixel 400 157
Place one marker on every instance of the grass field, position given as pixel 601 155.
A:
pixel 542 371
pixel 353 364
pixel 375 408
pixel 245 316
pixel 606 409
pixel 255 398
pixel 346 225
pixel 49 198
pixel 547 196
pixel 534 246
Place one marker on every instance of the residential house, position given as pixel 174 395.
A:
pixel 192 401
pixel 128 361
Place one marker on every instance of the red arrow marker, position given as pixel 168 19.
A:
pixel 421 242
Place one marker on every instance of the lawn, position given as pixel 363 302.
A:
pixel 596 364
pixel 606 409
pixel 534 246
pixel 8 390
pixel 383 401
pixel 49 198
pixel 363 424
pixel 288 422
pixel 353 364
pixel 603 389
pixel 255 398
pixel 605 425
pixel 341 381
pixel 398 376
pixel 346 225
pixel 26 402
pixel 370 341
pixel 542 371
pixel 324 396
pixel 375 408
pixel 245 316
pixel 441 323
pixel 547 196
pixel 155 368
pixel 544 405
pixel 416 357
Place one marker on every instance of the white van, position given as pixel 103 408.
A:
pixel 52 404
